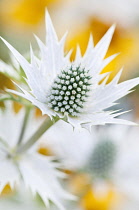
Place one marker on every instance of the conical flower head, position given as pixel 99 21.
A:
pixel 69 91
pixel 102 159
pixel 59 87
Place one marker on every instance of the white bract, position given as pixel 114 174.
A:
pixel 39 173
pixel 72 90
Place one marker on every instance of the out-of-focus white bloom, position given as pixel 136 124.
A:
pixel 72 90
pixel 110 155
pixel 39 173
pixel 115 160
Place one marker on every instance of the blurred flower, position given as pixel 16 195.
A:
pixel 113 163
pixel 39 173
pixel 117 148
pixel 114 159
pixel 73 90
pixel 73 148
pixel 108 157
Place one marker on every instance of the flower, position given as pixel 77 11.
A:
pixel 109 156
pixel 113 163
pixel 72 90
pixel 38 172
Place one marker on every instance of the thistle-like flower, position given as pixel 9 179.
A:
pixel 114 160
pixel 39 173
pixel 109 155
pixel 72 90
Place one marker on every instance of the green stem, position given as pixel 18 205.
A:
pixel 41 130
pixel 24 125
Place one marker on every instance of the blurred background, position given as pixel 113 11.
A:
pixel 20 19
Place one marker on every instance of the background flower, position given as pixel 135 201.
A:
pixel 39 173
pixel 108 155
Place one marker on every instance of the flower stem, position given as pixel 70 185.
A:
pixel 41 130
pixel 24 125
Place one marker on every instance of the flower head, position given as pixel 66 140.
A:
pixel 72 90
pixel 114 159
pixel 109 156
pixel 102 159
pixel 39 173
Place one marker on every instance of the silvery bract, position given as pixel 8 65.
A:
pixel 72 90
